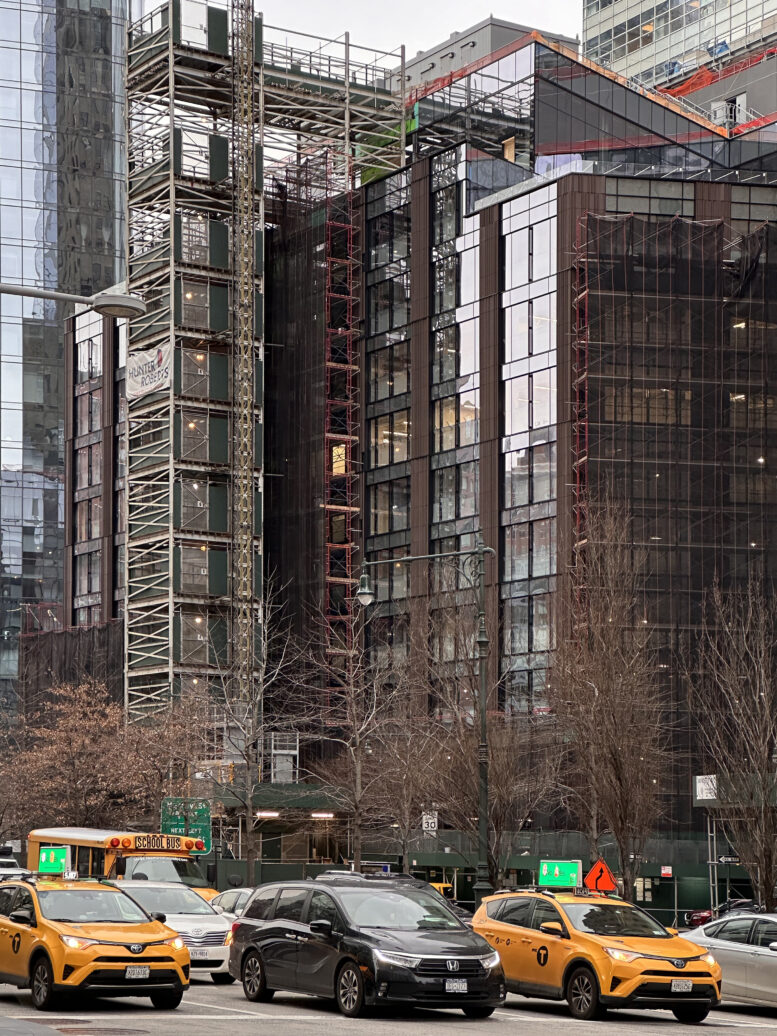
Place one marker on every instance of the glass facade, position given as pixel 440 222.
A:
pixel 658 42
pixel 61 215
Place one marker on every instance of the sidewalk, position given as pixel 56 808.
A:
pixel 17 1027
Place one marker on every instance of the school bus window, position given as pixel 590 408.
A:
pixel 82 861
pixel 98 862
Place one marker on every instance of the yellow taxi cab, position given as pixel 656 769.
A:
pixel 596 952
pixel 59 936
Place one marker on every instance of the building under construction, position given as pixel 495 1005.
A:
pixel 234 127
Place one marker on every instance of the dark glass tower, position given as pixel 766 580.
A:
pixel 61 216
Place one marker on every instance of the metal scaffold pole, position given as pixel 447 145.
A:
pixel 244 223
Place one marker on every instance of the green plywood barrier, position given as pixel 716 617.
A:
pixel 218 244
pixel 219 376
pixel 218 33
pixel 218 151
pixel 218 305
pixel 218 511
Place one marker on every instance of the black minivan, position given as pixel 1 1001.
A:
pixel 363 941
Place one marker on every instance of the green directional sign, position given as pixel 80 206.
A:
pixel 54 859
pixel 561 873
pixel 187 816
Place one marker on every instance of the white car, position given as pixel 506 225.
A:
pixel 745 946
pixel 231 904
pixel 203 929
pixel 9 868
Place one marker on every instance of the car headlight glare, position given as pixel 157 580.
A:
pixel 228 938
pixel 708 958
pixel 73 943
pixel 491 960
pixel 400 960
pixel 177 943
pixel 624 956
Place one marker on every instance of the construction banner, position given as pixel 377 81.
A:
pixel 149 371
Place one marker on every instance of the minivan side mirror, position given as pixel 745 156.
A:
pixel 773 946
pixel 21 917
pixel 321 927
pixel 159 916
pixel 218 908
pixel 552 928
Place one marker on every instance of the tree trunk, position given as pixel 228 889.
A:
pixel 252 847
pixel 357 839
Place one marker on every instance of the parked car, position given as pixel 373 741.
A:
pixel 694 918
pixel 363 941
pixel 745 945
pixel 231 904
pixel 9 868
pixel 205 931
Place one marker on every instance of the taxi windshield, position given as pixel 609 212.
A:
pixel 90 906
pixel 169 900
pixel 410 910
pixel 167 868
pixel 614 919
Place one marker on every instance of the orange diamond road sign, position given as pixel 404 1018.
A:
pixel 600 878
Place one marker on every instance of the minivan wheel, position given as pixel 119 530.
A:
pixel 42 985
pixel 254 982
pixel 478 1011
pixel 691 1014
pixel 349 990
pixel 583 995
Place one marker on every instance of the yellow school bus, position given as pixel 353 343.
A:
pixel 120 854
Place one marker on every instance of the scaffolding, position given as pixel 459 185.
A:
pixel 221 108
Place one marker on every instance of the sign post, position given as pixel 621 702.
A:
pixel 187 816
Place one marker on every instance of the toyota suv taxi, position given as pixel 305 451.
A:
pixel 596 953
pixel 61 936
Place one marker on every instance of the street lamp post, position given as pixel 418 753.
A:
pixel 365 595
pixel 106 303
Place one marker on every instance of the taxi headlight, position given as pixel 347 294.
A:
pixel 73 943
pixel 401 960
pixel 491 960
pixel 177 943
pixel 708 958
pixel 624 956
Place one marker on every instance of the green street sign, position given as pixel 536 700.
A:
pixel 54 860
pixel 187 816
pixel 561 873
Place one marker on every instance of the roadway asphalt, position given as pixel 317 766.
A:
pixel 223 1011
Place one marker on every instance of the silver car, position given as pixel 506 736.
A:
pixel 745 946
pixel 231 904
pixel 205 931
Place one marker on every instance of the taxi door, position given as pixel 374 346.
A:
pixel 21 937
pixel 507 930
pixel 7 894
pixel 548 954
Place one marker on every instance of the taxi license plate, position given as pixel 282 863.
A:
pixel 198 954
pixel 455 985
pixel 682 985
pixel 137 971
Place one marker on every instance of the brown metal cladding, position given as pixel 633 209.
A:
pixel 490 413
pixel 713 201
pixel 420 306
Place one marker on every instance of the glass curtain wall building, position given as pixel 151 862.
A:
pixel 659 42
pixel 571 247
pixel 62 169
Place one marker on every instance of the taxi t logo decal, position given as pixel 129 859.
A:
pixel 16 942
pixel 542 956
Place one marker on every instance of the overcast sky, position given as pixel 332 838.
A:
pixel 385 24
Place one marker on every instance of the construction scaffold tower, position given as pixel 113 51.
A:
pixel 217 105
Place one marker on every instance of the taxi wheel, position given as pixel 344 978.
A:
pixel 42 985
pixel 254 982
pixel 167 1000
pixel 222 978
pixel 583 995
pixel 690 1014
pixel 349 990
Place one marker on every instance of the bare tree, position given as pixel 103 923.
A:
pixel 224 734
pixel 604 689
pixel 734 702
pixel 68 764
pixel 350 695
